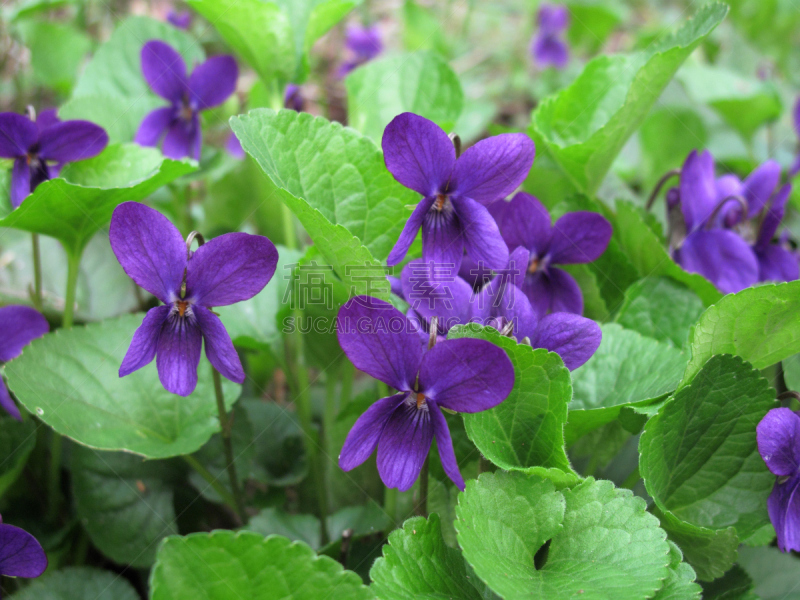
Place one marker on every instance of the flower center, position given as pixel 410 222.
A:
pixel 186 112
pixel 442 202
pixel 534 265
pixel 182 305
pixel 420 400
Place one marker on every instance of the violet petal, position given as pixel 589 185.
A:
pixel 784 513
pixel 143 346
pixel 444 444
pixel 442 240
pixel 219 347
pixel 759 185
pixel 17 135
pixel 20 182
pixel 178 354
pixel 410 230
pixel 778 436
pixel 482 239
pixel 72 140
pixel 573 337
pixel 6 403
pixel 579 237
pixel 212 82
pixel 21 555
pixel 404 444
pixel 154 126
pixel 20 325
pixel 365 433
pixel 164 70
pixel 721 256
pixel 524 222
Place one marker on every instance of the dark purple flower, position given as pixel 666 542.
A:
pixel 228 269
pixel 776 261
pixel 778 436
pixel 548 47
pixel 19 325
pixel 293 97
pixel 578 237
pixel 500 304
pixel 181 19
pixel 178 124
pixel 363 43
pixel 453 213
pixel 39 149
pixel 465 375
pixel 21 554
pixel 718 254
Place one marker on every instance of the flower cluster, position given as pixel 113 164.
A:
pixel 548 47
pixel 726 227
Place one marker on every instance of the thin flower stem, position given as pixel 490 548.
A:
pixel 390 508
pixel 666 177
pixel 73 265
pixel 226 496
pixel 422 505
pixel 227 444
pixel 54 476
pixel 632 479
pixel 328 461
pixel 37 273
pixel 289 234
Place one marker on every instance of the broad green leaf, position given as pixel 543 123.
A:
pixel 419 82
pixel 710 552
pixel 367 519
pixel 24 9
pixel 679 584
pixel 592 21
pixel 734 585
pixel 744 104
pixel 602 540
pixel 274 521
pixel 335 181
pixel 78 583
pixel 273 37
pixel 104 290
pixel 416 564
pixel 247 565
pixel 57 51
pixel 660 308
pixel 759 324
pixel 666 137
pixel 627 369
pixel 647 253
pixel 70 380
pixel 791 371
pixel 771 25
pixel 16 443
pixel 111 90
pixel 80 202
pixel 527 428
pixel 699 457
pixel 124 503
pixel 280 457
pixel 774 573
pixel 585 125
pixel 253 324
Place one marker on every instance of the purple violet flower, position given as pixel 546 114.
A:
pixel 40 148
pixel 363 43
pixel 465 375
pixel 778 436
pixel 577 237
pixel 21 554
pixel 719 254
pixel 776 261
pixel 452 213
pixel 548 47
pixel 178 124
pixel 500 304
pixel 228 269
pixel 234 147
pixel 19 325
pixel 293 97
pixel 182 19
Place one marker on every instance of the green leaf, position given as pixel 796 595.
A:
pixel 111 90
pixel 710 552
pixel 679 584
pixel 78 583
pixel 759 324
pixel 274 521
pixel 592 21
pixel 417 564
pixel 57 51
pixel 775 574
pixel 627 369
pixel 124 503
pixel 666 137
pixel 16 443
pixel 80 202
pixel 366 519
pixel 660 308
pixel 70 380
pixel 418 82
pixel 734 585
pixel 335 181
pixel 699 457
pixel 744 104
pixel 247 565
pixel 602 540
pixel 647 252
pixel 527 428
pixel 585 125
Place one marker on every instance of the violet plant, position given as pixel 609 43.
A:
pixel 295 325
